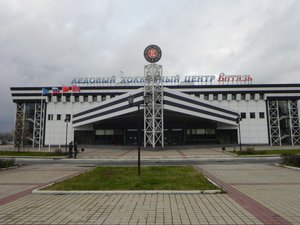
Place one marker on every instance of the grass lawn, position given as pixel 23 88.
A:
pixel 267 152
pixel 40 154
pixel 126 178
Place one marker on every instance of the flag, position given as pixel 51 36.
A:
pixel 66 89
pixel 55 91
pixel 75 88
pixel 45 91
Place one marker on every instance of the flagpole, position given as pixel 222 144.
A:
pixel 62 94
pixel 74 88
pixel 49 144
pixel 41 118
pixel 54 122
pixel 71 98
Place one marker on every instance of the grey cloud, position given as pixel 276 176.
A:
pixel 49 42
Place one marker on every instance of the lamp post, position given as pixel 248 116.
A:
pixel 238 121
pixel 130 102
pixel 67 121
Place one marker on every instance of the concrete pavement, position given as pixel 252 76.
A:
pixel 191 155
pixel 18 182
pixel 271 193
pixel 255 194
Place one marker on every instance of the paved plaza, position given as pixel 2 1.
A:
pixel 255 194
pixel 172 153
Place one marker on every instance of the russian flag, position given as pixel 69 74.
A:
pixel 55 91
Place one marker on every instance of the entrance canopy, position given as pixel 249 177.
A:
pixel 183 103
pixel 174 101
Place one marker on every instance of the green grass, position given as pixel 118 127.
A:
pixel 39 154
pixel 126 178
pixel 267 152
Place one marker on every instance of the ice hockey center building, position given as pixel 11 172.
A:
pixel 196 111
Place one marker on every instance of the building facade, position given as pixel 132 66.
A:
pixel 193 114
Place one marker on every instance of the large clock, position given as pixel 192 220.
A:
pixel 152 53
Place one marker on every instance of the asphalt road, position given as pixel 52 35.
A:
pixel 163 161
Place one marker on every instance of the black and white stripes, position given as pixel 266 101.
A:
pixel 173 101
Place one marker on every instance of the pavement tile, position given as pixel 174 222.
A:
pixel 274 188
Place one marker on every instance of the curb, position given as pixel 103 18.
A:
pixel 150 161
pixel 38 191
pixel 9 168
pixel 288 167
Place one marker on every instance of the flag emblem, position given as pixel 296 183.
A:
pixel 65 89
pixel 75 88
pixel 55 91
pixel 45 91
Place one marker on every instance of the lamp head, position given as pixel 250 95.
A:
pixel 146 99
pixel 130 100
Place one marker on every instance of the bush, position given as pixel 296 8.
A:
pixel 59 152
pixel 291 159
pixel 5 163
pixel 252 151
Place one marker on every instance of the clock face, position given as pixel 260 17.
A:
pixel 152 53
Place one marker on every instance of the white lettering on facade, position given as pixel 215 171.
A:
pixel 167 80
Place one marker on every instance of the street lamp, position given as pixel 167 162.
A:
pixel 146 102
pixel 66 120
pixel 238 121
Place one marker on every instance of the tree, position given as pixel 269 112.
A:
pixel 6 137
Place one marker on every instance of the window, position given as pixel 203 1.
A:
pixel 68 98
pixel 50 116
pixel 94 98
pixel 224 96
pixel 76 98
pixel 210 131
pixel 68 117
pixel 215 97
pixel 243 115
pixel 205 96
pixel 112 96
pixel 200 131
pixel 243 96
pixel 233 96
pixel 58 98
pixel 85 98
pixel 252 115
pixel 58 117
pixel 103 98
pixel 252 96
pixel 100 132
pixel 106 132
pixel 261 115
pixel 261 96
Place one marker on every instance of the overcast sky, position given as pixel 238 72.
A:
pixel 49 42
